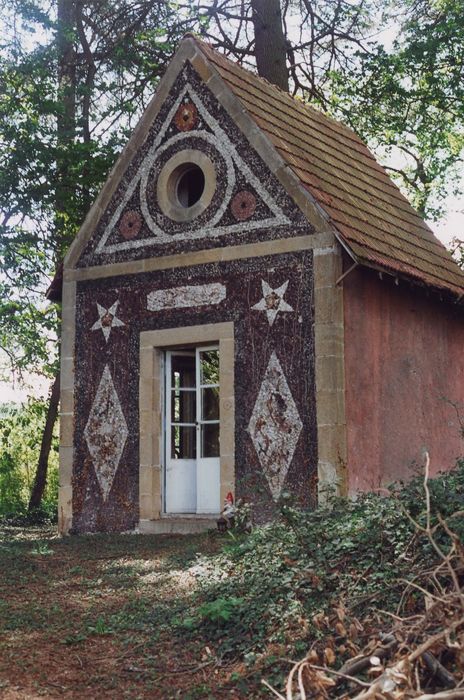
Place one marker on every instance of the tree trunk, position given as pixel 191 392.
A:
pixel 40 479
pixel 64 195
pixel 270 45
pixel 65 189
pixel 90 71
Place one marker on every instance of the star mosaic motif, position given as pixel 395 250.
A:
pixel 107 319
pixel 273 301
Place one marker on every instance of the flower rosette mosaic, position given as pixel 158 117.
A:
pixel 243 205
pixel 186 117
pixel 130 224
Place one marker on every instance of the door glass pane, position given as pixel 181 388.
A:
pixel 183 406
pixel 210 440
pixel 210 403
pixel 182 371
pixel 209 367
pixel 183 442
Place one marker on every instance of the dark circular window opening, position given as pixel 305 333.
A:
pixel 190 186
pixel 186 185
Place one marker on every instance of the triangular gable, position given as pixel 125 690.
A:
pixel 214 225
pixel 243 171
pixel 324 166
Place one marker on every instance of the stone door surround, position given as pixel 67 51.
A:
pixel 152 346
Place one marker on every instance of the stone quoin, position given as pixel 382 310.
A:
pixel 250 307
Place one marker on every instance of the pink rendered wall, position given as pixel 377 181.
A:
pixel 404 353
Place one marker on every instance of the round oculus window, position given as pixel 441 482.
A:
pixel 186 185
pixel 190 184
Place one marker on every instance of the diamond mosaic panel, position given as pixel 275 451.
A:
pixel 106 432
pixel 275 426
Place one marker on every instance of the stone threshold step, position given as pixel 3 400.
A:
pixel 177 526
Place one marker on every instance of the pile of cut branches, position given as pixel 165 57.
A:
pixel 417 652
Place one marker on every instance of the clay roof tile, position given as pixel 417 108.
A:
pixel 373 219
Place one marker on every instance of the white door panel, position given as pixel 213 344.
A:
pixel 181 433
pixel 181 486
pixel 208 461
pixel 208 485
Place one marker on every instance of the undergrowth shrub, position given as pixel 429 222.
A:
pixel 275 582
pixel 20 436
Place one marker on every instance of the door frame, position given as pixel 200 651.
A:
pixel 151 400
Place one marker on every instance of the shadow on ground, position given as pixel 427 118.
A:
pixel 98 616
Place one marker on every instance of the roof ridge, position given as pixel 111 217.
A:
pixel 286 95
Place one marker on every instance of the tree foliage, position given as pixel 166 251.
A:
pixel 409 100
pixel 405 99
pixel 69 100
pixel 20 438
pixel 74 78
pixel 320 35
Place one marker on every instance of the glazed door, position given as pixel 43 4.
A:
pixel 192 431
pixel 181 432
pixel 208 464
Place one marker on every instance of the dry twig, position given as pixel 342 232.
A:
pixel 415 646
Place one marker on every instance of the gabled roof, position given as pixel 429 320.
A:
pixel 318 160
pixel 374 220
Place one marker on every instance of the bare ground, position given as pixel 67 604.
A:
pixel 91 617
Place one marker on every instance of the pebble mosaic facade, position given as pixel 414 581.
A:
pixel 268 299
pixel 275 431
pixel 254 261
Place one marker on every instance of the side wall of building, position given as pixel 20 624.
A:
pixel 404 370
